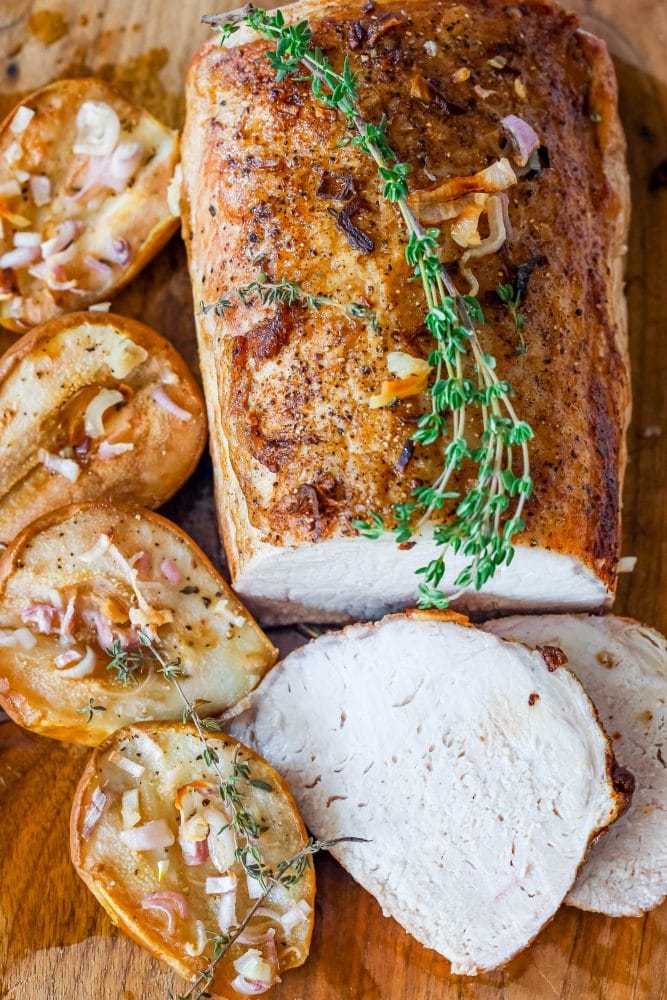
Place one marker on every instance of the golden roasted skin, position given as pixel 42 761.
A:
pixel 271 185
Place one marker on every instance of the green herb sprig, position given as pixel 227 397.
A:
pixel 289 292
pixel 488 517
pixel 511 299
pixel 91 710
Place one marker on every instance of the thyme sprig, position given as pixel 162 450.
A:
pixel 90 710
pixel 511 299
pixel 288 292
pixel 488 517
pixel 287 872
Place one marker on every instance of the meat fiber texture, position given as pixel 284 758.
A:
pixel 478 775
pixel 623 666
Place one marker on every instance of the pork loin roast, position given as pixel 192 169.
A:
pixel 476 768
pixel 623 666
pixel 274 191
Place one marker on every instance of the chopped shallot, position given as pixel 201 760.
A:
pixel 63 466
pixel 253 966
pixel 66 232
pixel 84 668
pixel 99 801
pixel 21 119
pixel 248 988
pixel 22 637
pixel 126 764
pixel 98 266
pixel 41 616
pixel 107 450
pixel 523 137
pixel 162 399
pixel 19 257
pixel 99 307
pixel 40 189
pixel 129 807
pixel 125 357
pixel 27 239
pixel 221 884
pixel 428 204
pixel 194 950
pixel 119 251
pixel 10 189
pixel 497 232
pixel 152 836
pixel 98 129
pixel 295 915
pixel 94 415
pixel 98 549
pixel 170 572
pixel 247 937
pixel 123 164
pixel 402 364
pixel 169 903
pixel 64 659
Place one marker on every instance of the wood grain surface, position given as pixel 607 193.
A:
pixel 56 943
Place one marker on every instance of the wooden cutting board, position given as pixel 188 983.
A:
pixel 56 943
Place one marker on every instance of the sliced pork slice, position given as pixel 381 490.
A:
pixel 479 774
pixel 623 666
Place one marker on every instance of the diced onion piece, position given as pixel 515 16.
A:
pixel 254 967
pixel 10 189
pixel 100 307
pixel 254 887
pixel 162 399
pixel 64 659
pixel 249 989
pixel 152 836
pixel 174 191
pixel 194 950
pixel 27 239
pixel 221 840
pixel 126 764
pixel 13 153
pixel 163 865
pixel 497 232
pixel 219 885
pixel 170 572
pixel 98 267
pixel 108 450
pixel 465 231
pixel 94 416
pixel 22 176
pixel 99 801
pixel 169 903
pixel 66 232
pixel 40 189
pixel 21 119
pixel 430 205
pixel 626 564
pixel 84 668
pixel 130 812
pixel 98 129
pixel 98 549
pixel 125 357
pixel 17 637
pixel 124 162
pixel 41 616
pixel 20 256
pixel 119 251
pixel 227 911
pixel 402 364
pixel 400 388
pixel 223 609
pixel 295 915
pixel 523 137
pixel 63 466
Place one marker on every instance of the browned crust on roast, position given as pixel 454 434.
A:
pixel 143 936
pixel 572 385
